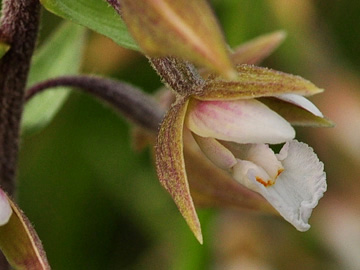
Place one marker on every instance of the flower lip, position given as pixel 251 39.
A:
pixel 298 187
pixel 240 121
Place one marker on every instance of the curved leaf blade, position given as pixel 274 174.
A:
pixel 96 15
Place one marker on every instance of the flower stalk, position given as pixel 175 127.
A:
pixel 134 104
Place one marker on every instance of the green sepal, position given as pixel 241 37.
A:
pixel 296 115
pixel 170 164
pixel 253 82
pixel 20 244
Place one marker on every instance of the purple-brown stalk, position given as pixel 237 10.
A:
pixel 134 104
pixel 18 27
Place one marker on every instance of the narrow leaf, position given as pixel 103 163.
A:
pixel 97 15
pixel 255 82
pixel 182 28
pixel 60 55
pixel 20 243
pixel 294 114
pixel 3 48
pixel 171 166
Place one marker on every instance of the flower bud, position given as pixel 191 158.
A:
pixel 179 28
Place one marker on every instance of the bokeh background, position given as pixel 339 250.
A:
pixel 97 204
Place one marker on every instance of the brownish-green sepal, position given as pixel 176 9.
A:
pixel 171 166
pixel 256 50
pixel 256 82
pixel 20 243
pixel 182 28
pixel 294 114
pixel 3 48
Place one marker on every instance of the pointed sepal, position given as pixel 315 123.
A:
pixel 297 113
pixel 170 164
pixel 253 82
pixel 19 242
pixel 182 28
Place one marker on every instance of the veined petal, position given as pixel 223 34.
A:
pixel 253 82
pixel 216 152
pixel 5 208
pixel 301 102
pixel 171 166
pixel 297 189
pixel 241 121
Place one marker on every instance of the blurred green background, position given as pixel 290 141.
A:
pixel 97 204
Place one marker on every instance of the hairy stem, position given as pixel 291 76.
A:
pixel 19 28
pixel 131 102
pixel 178 74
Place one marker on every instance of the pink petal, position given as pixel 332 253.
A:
pixel 241 121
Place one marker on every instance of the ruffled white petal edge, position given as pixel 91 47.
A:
pixel 298 188
pixel 240 121
pixel 301 102
pixel 5 208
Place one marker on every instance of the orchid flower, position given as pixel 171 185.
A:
pixel 233 123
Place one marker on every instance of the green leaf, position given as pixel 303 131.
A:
pixel 94 14
pixel 3 48
pixel 60 55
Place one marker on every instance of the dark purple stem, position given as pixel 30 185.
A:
pixel 19 28
pixel 131 102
